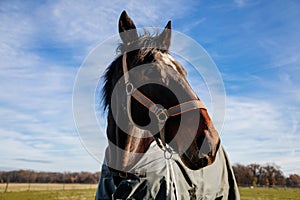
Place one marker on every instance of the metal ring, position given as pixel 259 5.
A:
pixel 162 115
pixel 166 152
pixel 129 88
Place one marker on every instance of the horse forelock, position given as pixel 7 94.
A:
pixel 146 43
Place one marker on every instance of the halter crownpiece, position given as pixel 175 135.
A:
pixel 162 114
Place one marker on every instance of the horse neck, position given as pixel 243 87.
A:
pixel 125 149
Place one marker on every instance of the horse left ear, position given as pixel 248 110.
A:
pixel 127 29
pixel 165 37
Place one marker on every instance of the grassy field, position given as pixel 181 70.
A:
pixel 87 192
pixel 269 193
pixel 83 194
pixel 48 191
pixel 18 187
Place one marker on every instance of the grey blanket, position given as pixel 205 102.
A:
pixel 168 179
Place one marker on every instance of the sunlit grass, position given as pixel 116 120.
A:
pixel 269 193
pixel 35 191
pixel 79 194
pixel 17 187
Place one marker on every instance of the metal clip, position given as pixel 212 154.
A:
pixel 160 113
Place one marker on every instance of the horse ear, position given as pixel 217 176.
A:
pixel 127 29
pixel 165 37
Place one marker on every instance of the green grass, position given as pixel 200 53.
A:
pixel 24 191
pixel 269 194
pixel 18 187
pixel 87 192
pixel 80 194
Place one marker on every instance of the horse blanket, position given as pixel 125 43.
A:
pixel 161 178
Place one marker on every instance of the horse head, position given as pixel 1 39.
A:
pixel 149 98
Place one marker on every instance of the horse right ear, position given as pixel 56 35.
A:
pixel 127 29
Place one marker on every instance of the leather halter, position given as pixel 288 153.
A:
pixel 162 114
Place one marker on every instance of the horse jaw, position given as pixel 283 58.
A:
pixel 197 143
pixel 203 153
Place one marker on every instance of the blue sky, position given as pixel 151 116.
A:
pixel 255 45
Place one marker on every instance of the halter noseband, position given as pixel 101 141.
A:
pixel 160 112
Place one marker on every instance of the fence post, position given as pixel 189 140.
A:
pixel 7 181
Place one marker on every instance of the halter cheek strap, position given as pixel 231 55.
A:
pixel 160 112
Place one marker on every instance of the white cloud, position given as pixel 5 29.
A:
pixel 35 109
pixel 257 131
pixel 240 3
pixel 88 23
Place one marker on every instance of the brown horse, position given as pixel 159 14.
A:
pixel 162 142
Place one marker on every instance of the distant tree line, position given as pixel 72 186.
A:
pixel 255 175
pixel 29 176
pixel 268 175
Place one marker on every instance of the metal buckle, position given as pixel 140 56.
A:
pixel 162 115
pixel 129 88
pixel 123 174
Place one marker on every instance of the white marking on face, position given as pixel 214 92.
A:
pixel 169 60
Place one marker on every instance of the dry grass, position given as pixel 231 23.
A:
pixel 18 187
